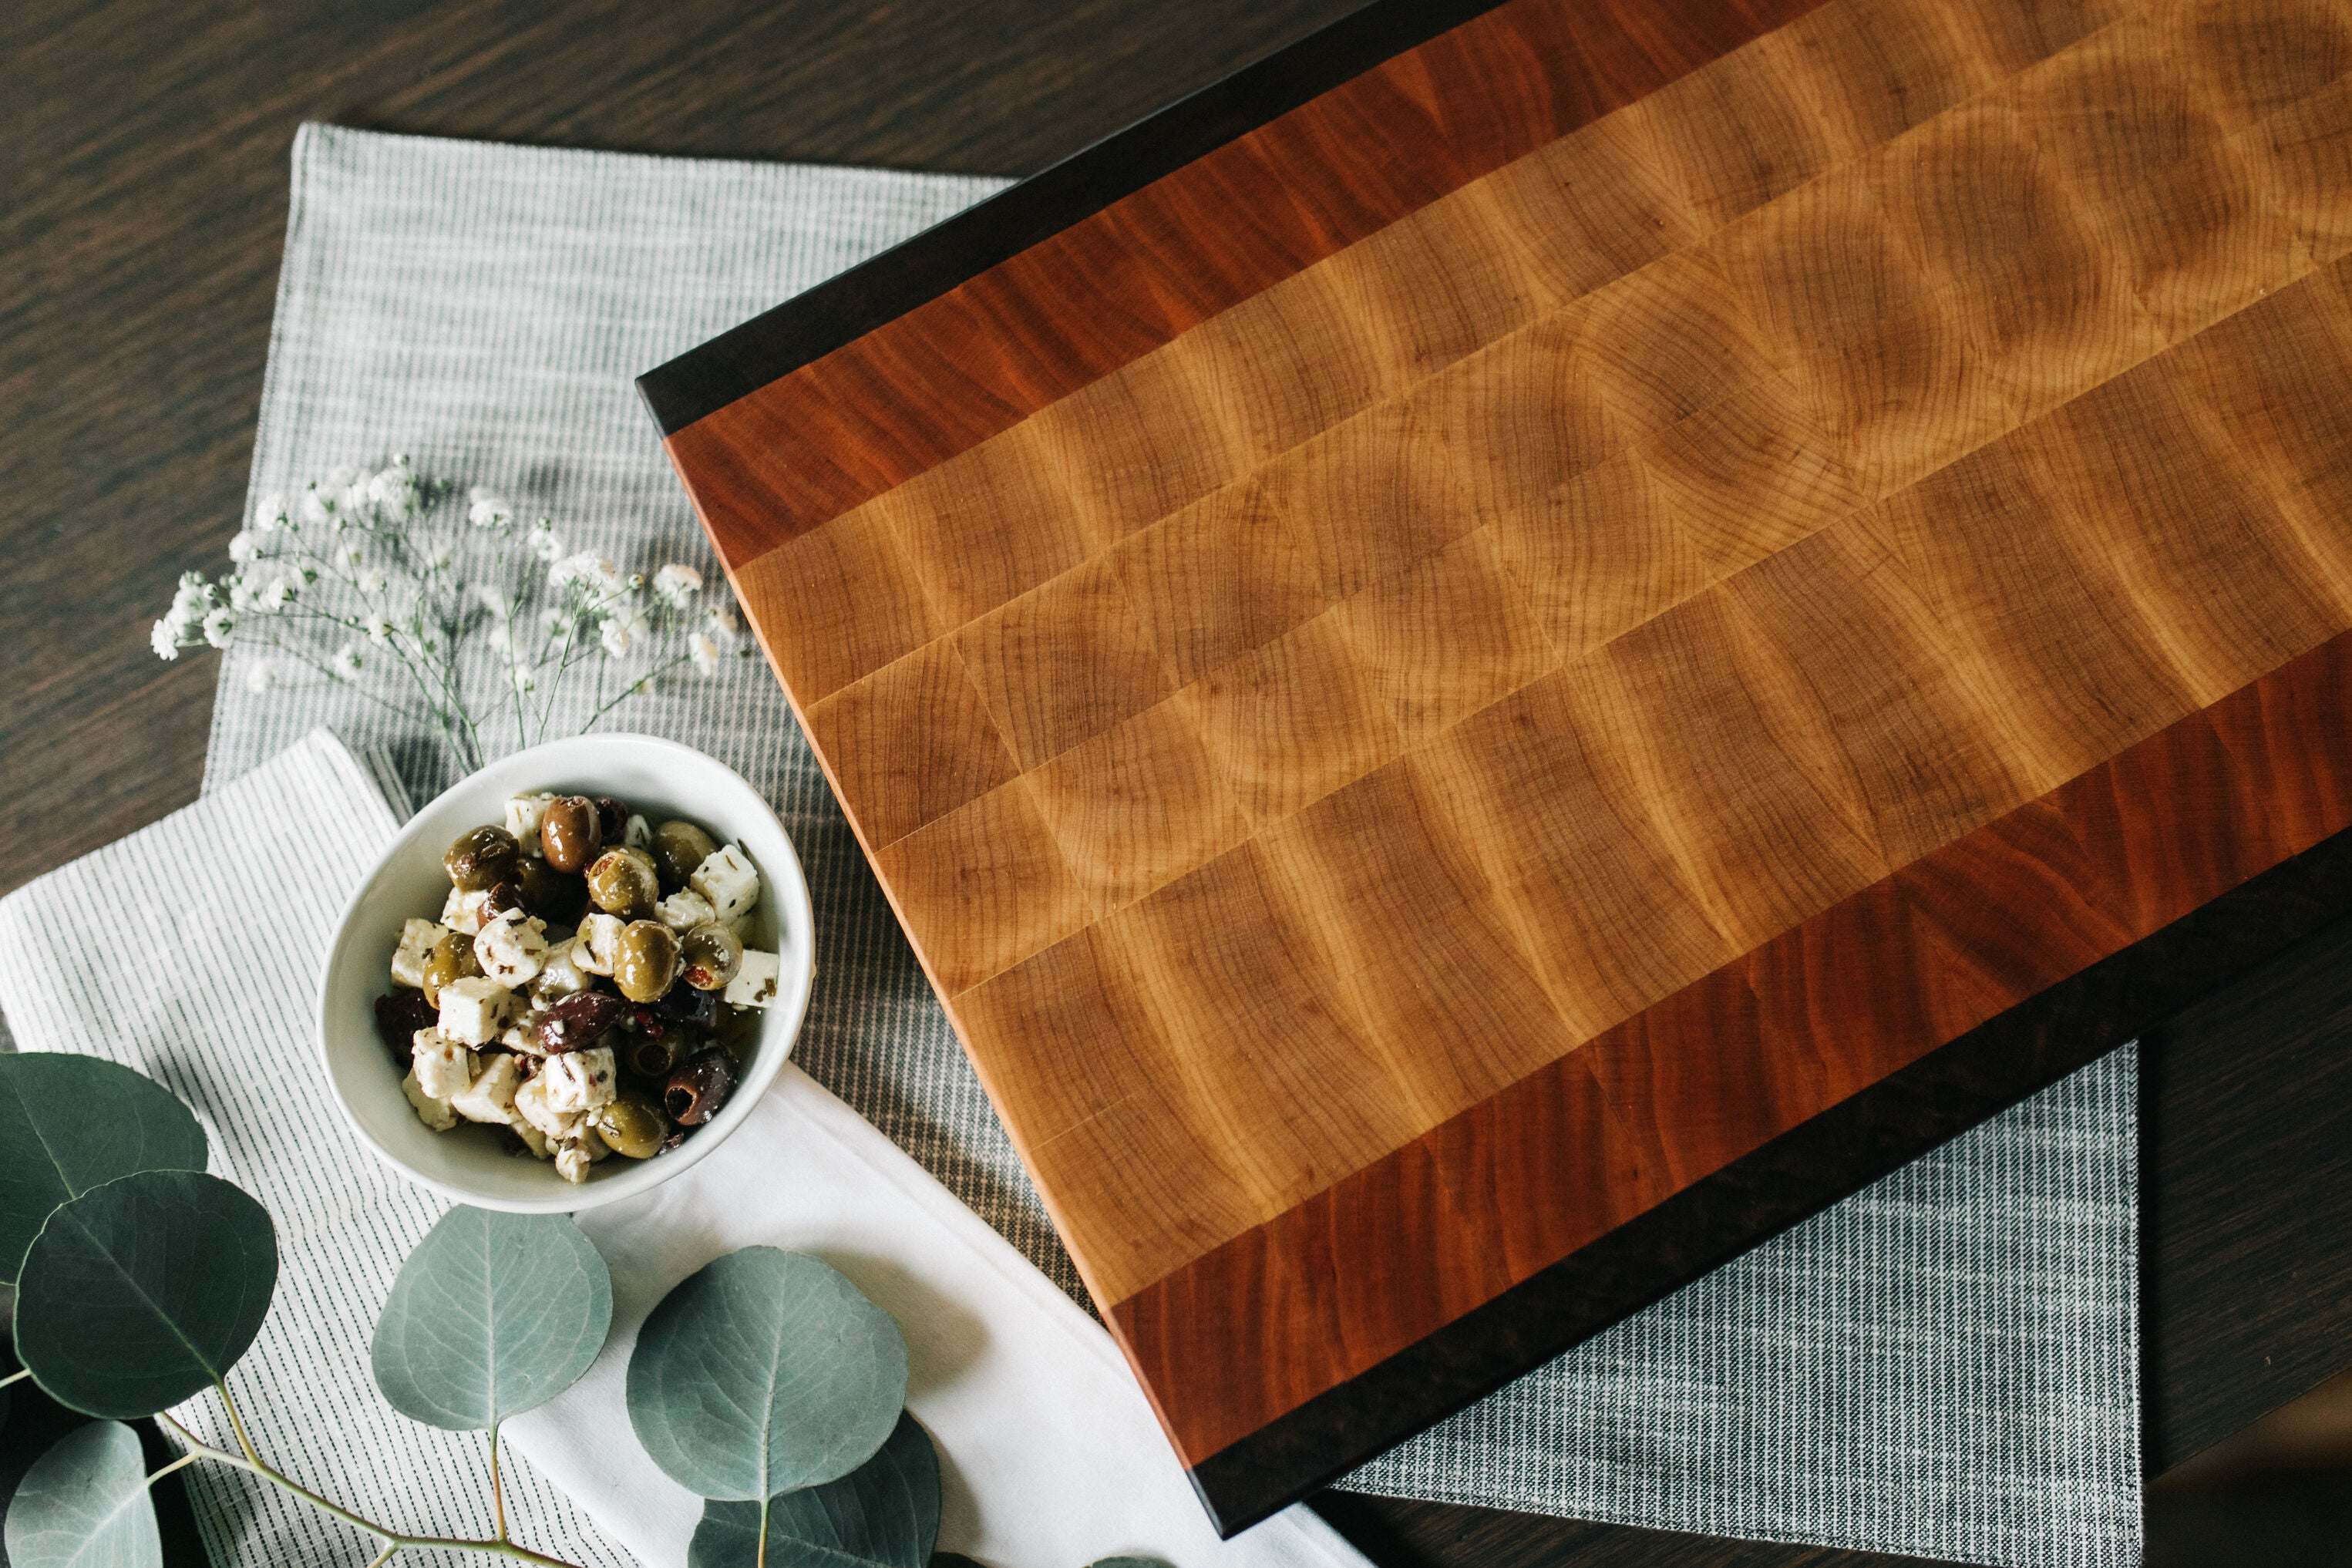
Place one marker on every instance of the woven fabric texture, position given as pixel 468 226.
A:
pixel 1945 1364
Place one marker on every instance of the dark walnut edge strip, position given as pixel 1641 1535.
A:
pixel 1789 1180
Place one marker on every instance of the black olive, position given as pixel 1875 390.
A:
pixel 677 1136
pixel 550 895
pixel 685 1004
pixel 699 1089
pixel 612 817
pixel 578 1021
pixel 398 1017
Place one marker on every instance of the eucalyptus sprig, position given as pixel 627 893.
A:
pixel 375 579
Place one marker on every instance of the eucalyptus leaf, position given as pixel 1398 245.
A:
pixel 144 1290
pixel 491 1315
pixel 84 1504
pixel 763 1372
pixel 883 1514
pixel 69 1123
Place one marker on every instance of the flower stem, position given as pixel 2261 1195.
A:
pixel 498 1492
pixel 393 1538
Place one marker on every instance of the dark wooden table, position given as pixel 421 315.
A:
pixel 141 210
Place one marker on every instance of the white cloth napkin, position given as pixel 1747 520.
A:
pixel 190 952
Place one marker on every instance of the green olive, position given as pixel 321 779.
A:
pixel 678 848
pixel 623 882
pixel 631 1125
pixel 550 895
pixel 712 955
pixel 481 858
pixel 452 958
pixel 569 834
pixel 646 962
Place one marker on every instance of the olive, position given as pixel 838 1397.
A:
pixel 712 955
pixel 677 1136
pixel 623 881
pixel 569 834
pixel 646 965
pixel 654 1056
pixel 682 1006
pixel 480 859
pixel 550 895
pixel 398 1017
pixel 578 1021
pixel 504 899
pixel 700 1088
pixel 452 958
pixel 629 1123
pixel 612 818
pixel 678 848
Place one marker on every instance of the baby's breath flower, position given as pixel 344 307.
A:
pixel 524 680
pixel 543 540
pixel 615 634
pixel 349 554
pixel 219 627
pixel 486 508
pixel 275 594
pixel 348 661
pixel 391 490
pixel 720 622
pixel 674 585
pixel 317 508
pixel 240 593
pixel 261 675
pixel 343 475
pixel 705 653
pixel 502 639
pixel 244 546
pixel 189 600
pixel 494 599
pixel 164 640
pixel 439 557
pixel 373 580
pixel 271 515
pixel 379 628
pixel 567 570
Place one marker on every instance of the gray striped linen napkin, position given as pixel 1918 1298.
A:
pixel 1049 1452
pixel 1945 1365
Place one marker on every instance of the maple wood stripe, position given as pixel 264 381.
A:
pixel 1269 1321
pixel 932 348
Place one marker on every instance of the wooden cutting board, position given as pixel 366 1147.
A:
pixel 1517 647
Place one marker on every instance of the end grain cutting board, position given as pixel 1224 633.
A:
pixel 1517 647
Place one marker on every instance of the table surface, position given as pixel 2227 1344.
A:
pixel 142 202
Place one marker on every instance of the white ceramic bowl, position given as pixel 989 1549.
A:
pixel 659 778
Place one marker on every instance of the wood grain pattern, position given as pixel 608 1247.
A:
pixel 1532 633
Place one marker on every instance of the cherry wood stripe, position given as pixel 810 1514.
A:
pixel 1267 1321
pixel 771 442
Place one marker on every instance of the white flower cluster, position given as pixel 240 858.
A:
pixel 363 572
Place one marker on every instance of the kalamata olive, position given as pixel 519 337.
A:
pixel 550 895
pixel 678 848
pixel 569 834
pixel 398 1017
pixel 710 954
pixel 631 1125
pixel 682 1006
pixel 578 1021
pixel 452 958
pixel 653 1057
pixel 623 882
pixel 611 817
pixel 647 962
pixel 677 1136
pixel 700 1088
pixel 482 857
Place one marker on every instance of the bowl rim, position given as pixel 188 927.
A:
pixel 564 1197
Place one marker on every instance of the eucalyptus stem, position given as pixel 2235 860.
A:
pixel 17 1376
pixel 498 1492
pixel 393 1540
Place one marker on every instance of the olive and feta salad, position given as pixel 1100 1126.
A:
pixel 586 986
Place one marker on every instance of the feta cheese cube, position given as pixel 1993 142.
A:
pixel 571 1163
pixel 521 1037
pixel 464 912
pixel 727 880
pixel 473 1010
pixel 598 943
pixel 755 984
pixel 416 939
pixel 431 1111
pixel 579 1081
pixel 524 813
pixel 443 1067
pixel 684 909
pixel 534 1139
pixel 560 975
pixel 511 949
pixel 637 833
pixel 490 1097
pixel 532 1109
